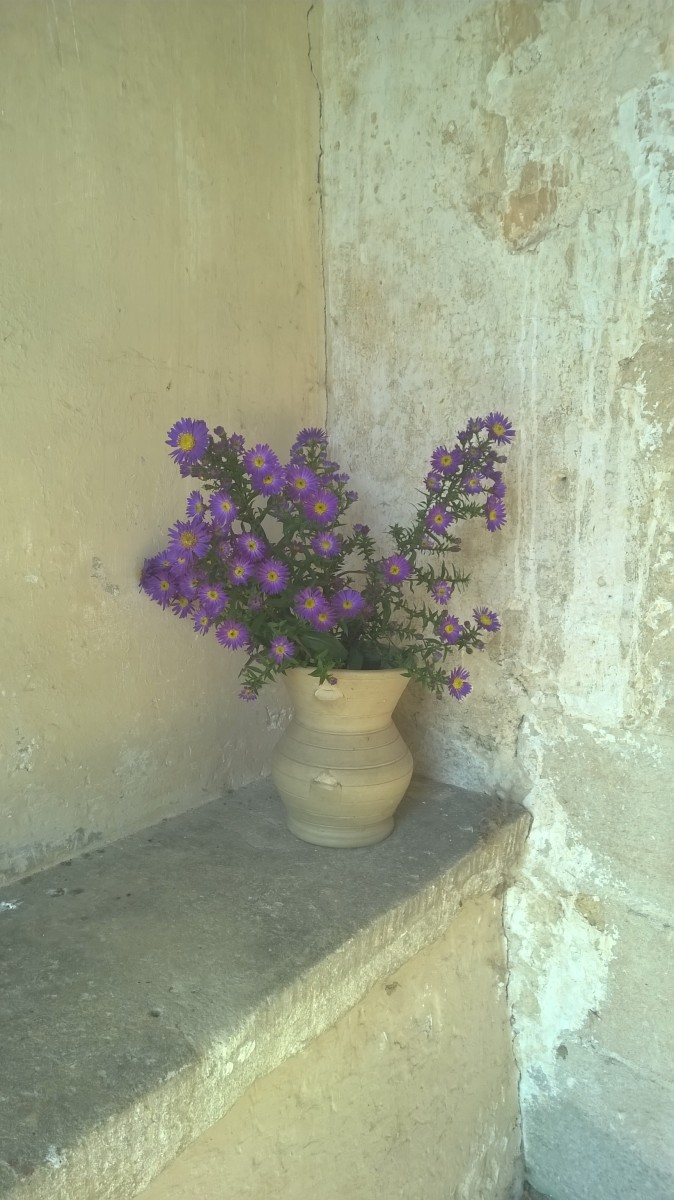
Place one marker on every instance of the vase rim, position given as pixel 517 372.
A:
pixel 350 671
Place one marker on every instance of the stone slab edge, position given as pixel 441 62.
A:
pixel 127 1151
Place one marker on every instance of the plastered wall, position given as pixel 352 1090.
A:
pixel 159 240
pixel 497 196
pixel 411 1094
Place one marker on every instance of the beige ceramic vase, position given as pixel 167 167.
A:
pixel 341 766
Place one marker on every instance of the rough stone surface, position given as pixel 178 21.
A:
pixel 499 234
pixel 160 258
pixel 146 985
pixel 412 1093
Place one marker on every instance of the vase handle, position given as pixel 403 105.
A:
pixel 327 693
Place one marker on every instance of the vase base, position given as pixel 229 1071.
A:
pixel 321 835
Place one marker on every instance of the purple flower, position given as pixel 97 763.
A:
pixel 458 683
pixel 300 481
pixel 499 428
pixel 272 576
pixel 351 497
pixel 396 568
pixel 449 628
pixel 202 622
pixel 321 507
pixel 472 483
pixel 260 458
pixel 161 588
pixel 182 606
pixel 247 693
pixel 498 488
pixel 308 602
pixel 439 519
pixel 441 591
pixel 474 425
pixel 486 619
pixel 327 544
pixel 189 584
pixel 348 603
pixel 213 599
pixel 280 649
pixel 270 482
pixel 237 441
pixel 180 563
pixel 433 482
pixel 196 505
pixel 495 512
pixel 255 602
pixel 232 634
pixel 447 462
pixel 250 546
pixel 223 548
pixel 361 530
pixel 190 538
pixel 223 508
pixel 239 571
pixel 189 440
pixel 323 618
pixel 310 437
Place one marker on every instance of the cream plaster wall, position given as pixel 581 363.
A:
pixel 411 1094
pixel 159 239
pixel 499 234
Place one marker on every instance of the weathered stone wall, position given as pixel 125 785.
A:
pixel 159 240
pixel 499 235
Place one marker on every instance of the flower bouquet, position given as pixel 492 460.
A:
pixel 266 559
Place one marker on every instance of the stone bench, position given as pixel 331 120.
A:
pixel 147 986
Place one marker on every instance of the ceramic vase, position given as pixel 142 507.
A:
pixel 341 766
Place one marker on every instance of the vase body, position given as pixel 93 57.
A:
pixel 341 766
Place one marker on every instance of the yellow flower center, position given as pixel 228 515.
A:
pixel 498 429
pixel 258 461
pixel 187 441
pixel 164 585
pixel 267 478
pixel 484 619
pixel 438 518
pixel 492 514
pixel 320 507
pixel 182 601
pixel 188 539
pixel 457 683
pixel 395 569
pixel 310 603
pixel 449 628
pixel 347 604
pixel 212 594
pixel 232 634
pixel 446 460
pixel 272 576
pixel 300 483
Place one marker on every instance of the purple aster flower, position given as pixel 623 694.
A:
pixel 495 512
pixel 327 544
pixel 486 619
pixel 396 568
pixel 249 546
pixel 280 649
pixel 310 437
pixel 272 576
pixel 223 548
pixel 439 519
pixel 182 606
pixel 239 571
pixel 458 683
pixel 433 482
pixel 180 563
pixel 351 497
pixel 213 598
pixel 260 458
pixel 449 628
pixel 498 489
pixel 300 480
pixel 447 462
pixel 223 508
pixel 308 602
pixel 189 584
pixel 255 602
pixel 441 591
pixel 270 482
pixel 189 440
pixel 161 588
pixel 237 441
pixel 473 483
pixel 348 603
pixel 232 634
pixel 475 425
pixel 323 618
pixel 361 529
pixel 321 507
pixel 202 622
pixel 499 428
pixel 196 505
pixel 428 543
pixel 247 693
pixel 190 538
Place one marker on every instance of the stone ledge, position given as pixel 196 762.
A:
pixel 146 985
